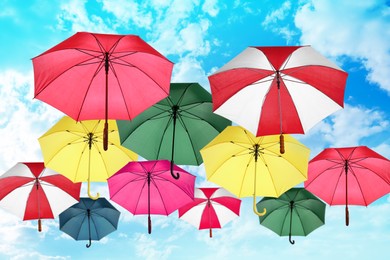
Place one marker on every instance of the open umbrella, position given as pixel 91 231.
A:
pixel 349 176
pixel 278 90
pixel 89 219
pixel 296 212
pixel 147 187
pixel 31 191
pixel 252 166
pixel 75 149
pixel 182 122
pixel 100 76
pixel 211 208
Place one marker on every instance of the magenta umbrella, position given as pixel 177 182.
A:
pixel 349 176
pixel 147 187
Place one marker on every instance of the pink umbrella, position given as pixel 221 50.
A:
pixel 211 208
pixel 349 176
pixel 31 191
pixel 147 187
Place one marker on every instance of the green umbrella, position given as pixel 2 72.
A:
pixel 175 128
pixel 296 212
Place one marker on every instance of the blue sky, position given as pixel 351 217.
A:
pixel 199 37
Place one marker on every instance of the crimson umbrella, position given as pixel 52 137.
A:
pixel 147 187
pixel 31 191
pixel 96 76
pixel 278 90
pixel 349 176
pixel 211 208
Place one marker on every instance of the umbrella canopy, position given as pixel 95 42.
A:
pixel 211 208
pixel 296 212
pixel 31 191
pixel 95 76
pixel 277 90
pixel 75 149
pixel 147 187
pixel 89 219
pixel 252 166
pixel 349 176
pixel 176 128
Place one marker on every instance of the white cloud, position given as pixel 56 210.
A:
pixel 211 7
pixel 358 29
pixel 189 69
pixel 74 17
pixel 350 126
pixel 129 13
pixel 24 119
pixel 148 248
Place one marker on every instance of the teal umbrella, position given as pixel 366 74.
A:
pixel 296 212
pixel 175 128
pixel 89 219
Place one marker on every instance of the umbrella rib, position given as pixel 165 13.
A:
pixel 159 193
pixel 162 178
pixel 140 178
pixel 139 196
pixel 96 212
pixel 245 174
pixel 337 183
pixel 164 132
pixel 189 137
pixel 351 170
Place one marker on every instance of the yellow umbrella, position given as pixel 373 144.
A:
pixel 75 149
pixel 252 166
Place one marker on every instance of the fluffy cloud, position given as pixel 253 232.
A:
pixel 358 29
pixel 23 120
pixel 350 126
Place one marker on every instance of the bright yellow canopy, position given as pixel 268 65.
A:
pixel 253 166
pixel 75 149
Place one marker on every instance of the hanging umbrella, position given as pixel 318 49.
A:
pixel 211 208
pixel 89 219
pixel 296 212
pixel 75 149
pixel 147 187
pixel 182 122
pixel 349 176
pixel 31 191
pixel 278 90
pixel 252 166
pixel 95 76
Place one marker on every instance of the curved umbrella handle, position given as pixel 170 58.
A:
pixel 89 192
pixel 89 244
pixel 291 241
pixel 175 176
pixel 255 208
pixel 281 139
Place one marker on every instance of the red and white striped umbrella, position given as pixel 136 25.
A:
pixel 31 191
pixel 211 208
pixel 278 89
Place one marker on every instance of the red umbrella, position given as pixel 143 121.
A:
pixel 147 187
pixel 278 90
pixel 96 76
pixel 31 191
pixel 211 208
pixel 349 176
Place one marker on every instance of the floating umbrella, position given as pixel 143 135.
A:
pixel 89 219
pixel 296 212
pixel 211 208
pixel 252 166
pixel 278 90
pixel 182 122
pixel 75 149
pixel 147 187
pixel 349 176
pixel 31 191
pixel 100 76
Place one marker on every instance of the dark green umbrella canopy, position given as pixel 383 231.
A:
pixel 175 128
pixel 296 212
